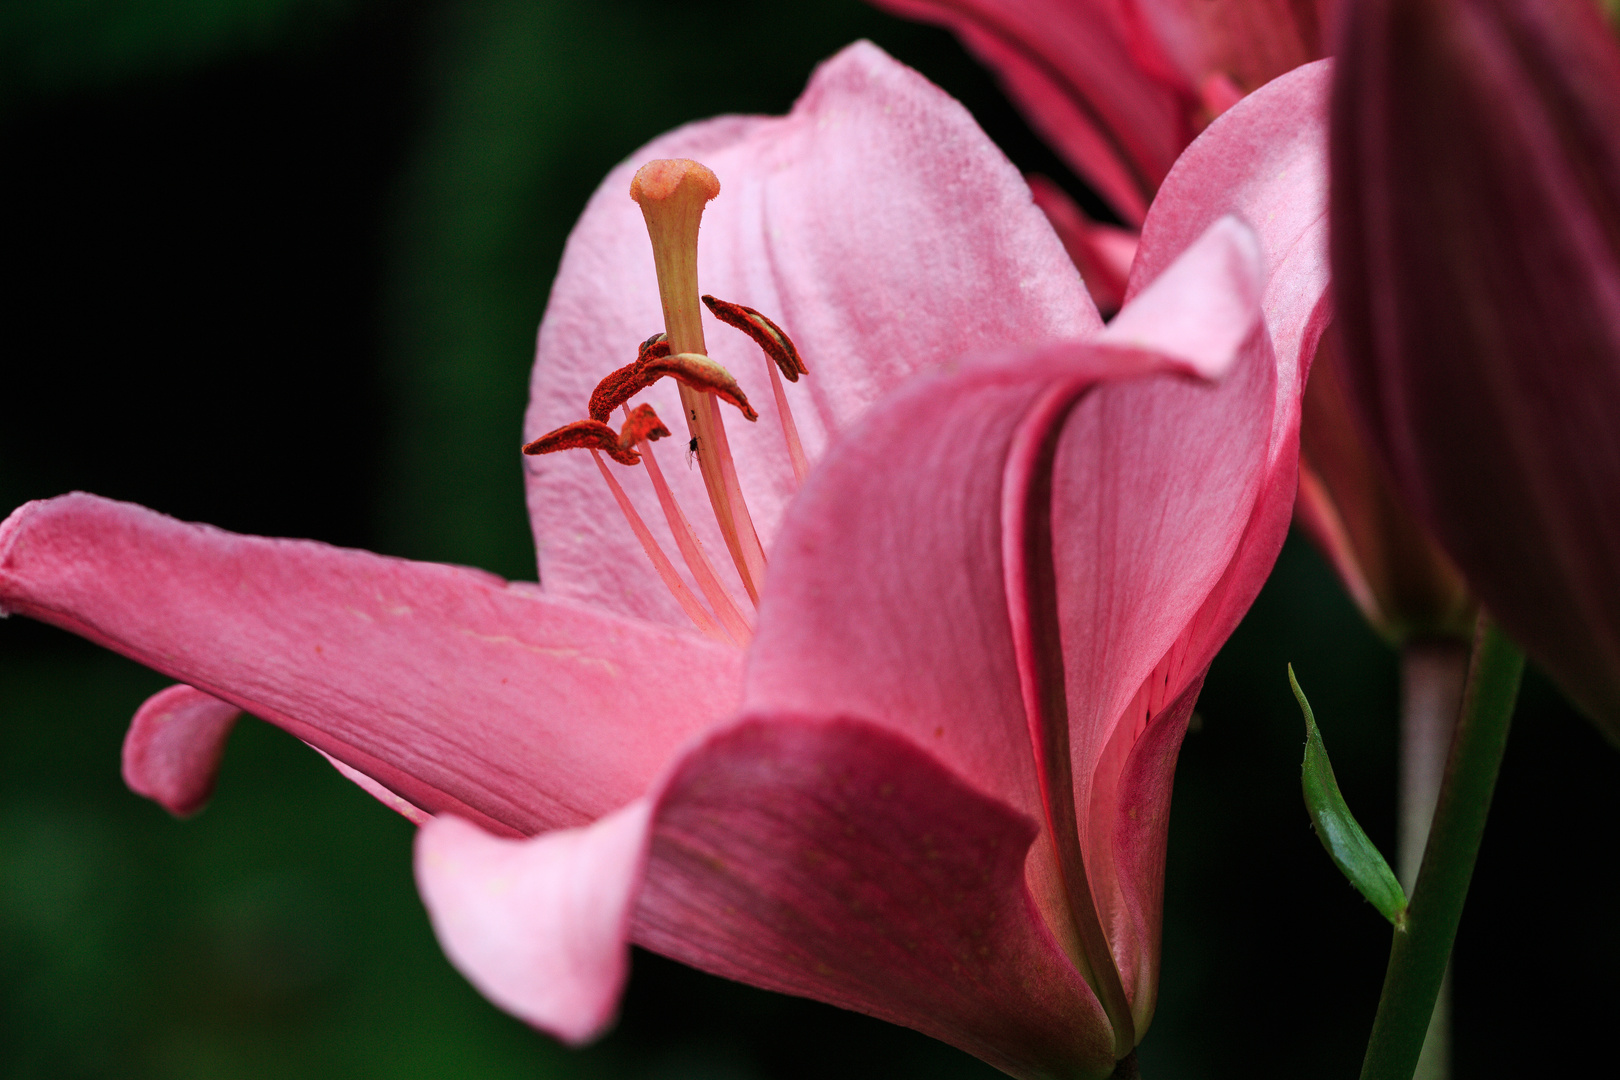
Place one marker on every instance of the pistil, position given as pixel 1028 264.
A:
pixel 672 195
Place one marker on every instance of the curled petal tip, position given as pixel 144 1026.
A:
pixel 1204 306
pixel 174 745
pixel 540 926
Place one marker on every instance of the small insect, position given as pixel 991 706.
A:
pixel 691 452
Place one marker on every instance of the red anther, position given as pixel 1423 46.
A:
pixel 628 381
pixel 701 373
pixel 777 345
pixel 642 423
pixel 584 435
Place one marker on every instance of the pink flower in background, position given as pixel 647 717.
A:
pixel 1477 259
pixel 1120 87
pixel 930 778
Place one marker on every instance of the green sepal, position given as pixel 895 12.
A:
pixel 1336 827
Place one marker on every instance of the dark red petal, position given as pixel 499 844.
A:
pixel 1476 247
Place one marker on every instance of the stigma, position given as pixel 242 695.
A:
pixel 672 195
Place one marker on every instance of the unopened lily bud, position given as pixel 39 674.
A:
pixel 1407 588
pixel 1476 257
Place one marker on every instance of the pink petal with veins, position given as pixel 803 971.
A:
pixel 1189 575
pixel 174 745
pixel 1264 161
pixel 446 685
pixel 890 600
pixel 540 926
pixel 835 859
pixel 875 223
pixel 823 857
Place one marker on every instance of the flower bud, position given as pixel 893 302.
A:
pixel 1389 564
pixel 1476 255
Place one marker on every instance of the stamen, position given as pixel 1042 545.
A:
pixel 701 373
pixel 697 560
pixel 641 424
pixel 777 345
pixel 672 195
pixel 784 357
pixel 689 603
pixel 790 430
pixel 628 381
pixel 748 554
pixel 583 435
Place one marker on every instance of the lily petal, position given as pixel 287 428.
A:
pixel 1249 42
pixel 1203 308
pixel 824 857
pixel 540 926
pixel 370 658
pixel 1077 68
pixel 1264 161
pixel 890 600
pixel 876 224
pixel 834 859
pixel 1133 821
pixel 174 745
pixel 409 811
pixel 1106 581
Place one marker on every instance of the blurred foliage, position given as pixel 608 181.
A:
pixel 56 45
pixel 277 264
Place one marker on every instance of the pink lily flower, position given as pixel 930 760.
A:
pixel 1120 87
pixel 1477 191
pixel 928 778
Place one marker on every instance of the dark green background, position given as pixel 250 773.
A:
pixel 277 264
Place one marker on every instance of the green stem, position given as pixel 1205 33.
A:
pixel 1434 673
pixel 1422 945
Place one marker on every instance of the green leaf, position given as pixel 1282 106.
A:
pixel 1336 827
